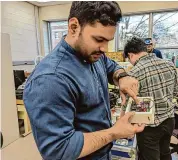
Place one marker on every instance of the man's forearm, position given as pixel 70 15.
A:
pixel 96 140
pixel 116 74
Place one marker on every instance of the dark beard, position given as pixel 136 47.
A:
pixel 81 53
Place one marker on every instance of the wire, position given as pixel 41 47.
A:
pixel 145 99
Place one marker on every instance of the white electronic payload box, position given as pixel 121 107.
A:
pixel 144 111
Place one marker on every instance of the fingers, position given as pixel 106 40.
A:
pixel 128 115
pixel 123 97
pixel 139 128
pixel 133 95
pixel 129 86
pixel 131 136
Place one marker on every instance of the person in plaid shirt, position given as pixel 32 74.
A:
pixel 157 78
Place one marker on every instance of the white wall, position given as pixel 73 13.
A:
pixel 18 20
pixel 60 12
pixel 146 6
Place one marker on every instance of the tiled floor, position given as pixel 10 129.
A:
pixel 25 149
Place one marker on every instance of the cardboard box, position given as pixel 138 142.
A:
pixel 116 56
pixel 146 117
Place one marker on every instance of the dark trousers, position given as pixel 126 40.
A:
pixel 154 142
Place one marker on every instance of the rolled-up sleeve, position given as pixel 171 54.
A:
pixel 50 103
pixel 111 67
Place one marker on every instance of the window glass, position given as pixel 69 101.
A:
pixel 58 30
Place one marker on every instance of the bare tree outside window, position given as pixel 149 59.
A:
pixel 165 33
pixel 165 29
pixel 169 53
pixel 137 25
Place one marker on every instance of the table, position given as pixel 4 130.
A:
pixel 22 114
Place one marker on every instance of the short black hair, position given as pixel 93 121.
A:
pixel 89 12
pixel 134 45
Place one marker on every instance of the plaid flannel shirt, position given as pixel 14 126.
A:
pixel 157 78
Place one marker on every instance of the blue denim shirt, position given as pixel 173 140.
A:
pixel 66 96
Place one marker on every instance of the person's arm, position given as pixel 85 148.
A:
pixel 49 101
pixel 134 72
pixel 122 129
pixel 50 106
pixel 111 67
pixel 127 85
pixel 160 55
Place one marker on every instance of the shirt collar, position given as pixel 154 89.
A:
pixel 71 50
pixel 147 56
pixel 67 46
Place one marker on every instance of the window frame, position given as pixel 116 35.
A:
pixel 169 47
pixel 117 28
pixel 50 32
pixel 150 26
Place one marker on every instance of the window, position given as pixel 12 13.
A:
pixel 169 53
pixel 56 35
pixel 165 33
pixel 137 25
pixel 162 27
pixel 57 30
pixel 165 29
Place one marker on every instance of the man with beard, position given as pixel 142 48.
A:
pixel 66 96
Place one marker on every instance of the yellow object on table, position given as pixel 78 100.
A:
pixel 117 56
pixel 22 114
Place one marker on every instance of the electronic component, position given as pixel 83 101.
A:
pixel 143 106
pixel 144 111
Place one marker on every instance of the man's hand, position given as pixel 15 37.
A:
pixel 124 129
pixel 127 85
